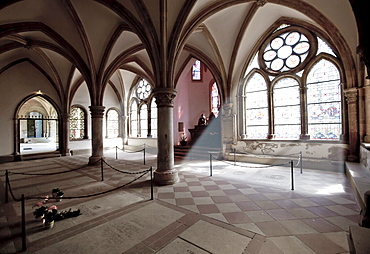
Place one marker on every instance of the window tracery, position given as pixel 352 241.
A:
pixel 294 90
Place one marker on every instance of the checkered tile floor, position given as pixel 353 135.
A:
pixel 317 214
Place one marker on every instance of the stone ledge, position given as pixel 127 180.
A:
pixel 359 178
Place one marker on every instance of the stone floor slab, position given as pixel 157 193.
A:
pixel 219 241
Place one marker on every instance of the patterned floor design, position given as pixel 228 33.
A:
pixel 312 218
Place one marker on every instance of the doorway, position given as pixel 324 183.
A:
pixel 38 126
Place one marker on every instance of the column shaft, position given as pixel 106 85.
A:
pixel 97 113
pixel 166 172
pixel 64 133
pixel 353 135
pixel 367 114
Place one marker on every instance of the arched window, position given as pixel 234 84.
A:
pixel 133 119
pixel 256 108
pixel 77 123
pixel 215 99
pixel 112 123
pixel 153 118
pixel 292 88
pixel 144 120
pixel 143 111
pixel 196 71
pixel 324 101
pixel 287 115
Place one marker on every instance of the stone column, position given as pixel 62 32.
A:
pixel 271 125
pixel 166 172
pixel 353 135
pixel 123 130
pixel 304 118
pixel 97 114
pixel 367 114
pixel 17 153
pixel 64 135
pixel 227 127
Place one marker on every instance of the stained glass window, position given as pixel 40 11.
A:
pixel 133 119
pixel 298 76
pixel 153 120
pixel 287 115
pixel 144 101
pixel 112 123
pixel 215 99
pixel 324 101
pixel 286 51
pixel 144 120
pixel 77 123
pixel 196 71
pixel 256 107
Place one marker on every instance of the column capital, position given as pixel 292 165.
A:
pixel 351 95
pixel 97 111
pixel 164 96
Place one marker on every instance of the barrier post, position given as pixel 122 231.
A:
pixel 23 212
pixel 6 186
pixel 292 173
pixel 301 160
pixel 234 157
pixel 210 164
pixel 144 153
pixel 101 167
pixel 116 153
pixel 151 183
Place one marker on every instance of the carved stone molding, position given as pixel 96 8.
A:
pixel 351 95
pixel 97 111
pixel 164 96
pixel 261 3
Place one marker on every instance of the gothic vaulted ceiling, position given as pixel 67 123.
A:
pixel 110 42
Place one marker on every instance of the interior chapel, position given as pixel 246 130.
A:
pixel 269 77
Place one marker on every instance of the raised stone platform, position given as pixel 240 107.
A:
pixel 359 177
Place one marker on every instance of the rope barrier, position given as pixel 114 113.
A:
pixel 43 174
pixel 282 164
pixel 266 155
pixel 96 194
pixel 133 151
pixel 299 162
pixel 124 172
pixel 267 166
pixel 9 189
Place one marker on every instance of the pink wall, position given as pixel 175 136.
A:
pixel 192 100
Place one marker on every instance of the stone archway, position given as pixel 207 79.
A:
pixel 37 126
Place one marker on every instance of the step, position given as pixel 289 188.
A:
pixel 358 240
pixel 35 156
pixel 194 152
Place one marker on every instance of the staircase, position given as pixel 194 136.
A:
pixel 34 156
pixel 195 152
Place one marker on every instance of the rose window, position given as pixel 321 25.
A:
pixel 143 89
pixel 286 51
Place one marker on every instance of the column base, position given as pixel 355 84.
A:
pixel 271 136
pixel 166 177
pixel 304 137
pixel 95 160
pixel 367 139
